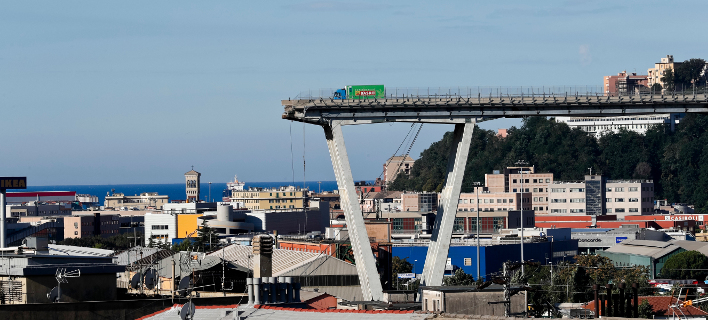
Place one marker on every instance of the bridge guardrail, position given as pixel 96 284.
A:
pixel 487 91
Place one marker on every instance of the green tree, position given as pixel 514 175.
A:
pixel 399 265
pixel 645 310
pixel 656 88
pixel 686 265
pixel 205 237
pixel 460 278
pixel 669 79
pixel 185 245
pixel 689 73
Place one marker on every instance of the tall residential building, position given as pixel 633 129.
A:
pixel 397 164
pixel 624 83
pixel 598 196
pixel 276 198
pixel 192 179
pixel 511 180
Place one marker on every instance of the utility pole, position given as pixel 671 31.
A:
pixel 477 229
pixel 210 200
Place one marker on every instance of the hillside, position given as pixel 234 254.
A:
pixel 676 161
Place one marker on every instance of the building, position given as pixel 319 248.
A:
pixel 597 126
pixel 651 254
pixel 419 201
pixel 282 198
pixel 660 308
pixel 396 165
pixel 97 224
pixel 486 200
pixel 625 84
pixel 192 185
pixel 597 196
pixel 40 196
pixel 493 253
pixel 29 278
pixel 655 74
pixel 487 302
pixel 144 201
pixel 511 180
pixel 384 201
pixel 34 209
pixel 591 240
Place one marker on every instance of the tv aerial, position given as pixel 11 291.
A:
pixel 54 295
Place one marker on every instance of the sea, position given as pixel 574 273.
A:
pixel 176 191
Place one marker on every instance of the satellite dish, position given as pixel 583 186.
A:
pixel 184 286
pixel 53 295
pixel 187 311
pixel 135 281
pixel 150 278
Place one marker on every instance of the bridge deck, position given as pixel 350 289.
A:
pixel 458 109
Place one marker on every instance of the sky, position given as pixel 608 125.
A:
pixel 123 92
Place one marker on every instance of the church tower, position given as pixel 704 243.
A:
pixel 192 179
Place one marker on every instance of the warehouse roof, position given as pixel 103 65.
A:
pixel 285 261
pixel 649 248
pixel 285 313
pixel 56 249
pixel 699 246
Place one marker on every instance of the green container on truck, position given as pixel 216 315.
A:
pixel 376 91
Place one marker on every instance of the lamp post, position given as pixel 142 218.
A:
pixel 520 163
pixel 477 186
pixel 210 192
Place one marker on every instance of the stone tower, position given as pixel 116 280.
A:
pixel 192 179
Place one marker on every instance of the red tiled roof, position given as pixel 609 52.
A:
pixel 660 306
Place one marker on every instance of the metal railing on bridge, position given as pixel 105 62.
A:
pixel 487 91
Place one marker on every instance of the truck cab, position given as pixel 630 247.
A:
pixel 340 94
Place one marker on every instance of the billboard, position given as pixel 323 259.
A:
pixel 13 183
pixel 376 91
pixel 406 275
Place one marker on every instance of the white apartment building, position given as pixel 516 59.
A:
pixel 613 197
pixel 597 126
pixel 160 227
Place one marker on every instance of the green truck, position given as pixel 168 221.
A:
pixel 376 91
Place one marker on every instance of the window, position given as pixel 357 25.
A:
pixel 608 199
pixel 504 201
pixel 160 227
pixel 548 180
pixel 557 189
pixel 559 211
pixel 486 200
pixel 619 199
pixel 609 189
pixel 468 262
pixel 499 201
pixel 632 189
pixel 535 189
pixel 577 189
pixel 577 210
pixel 619 210
pixel 633 200
pixel 633 210
pixel 608 210
pixel 558 200
pixel 526 180
pixel 619 189
pixel 514 190
pixel 511 200
pixel 577 200
pixel 535 180
pixel 76 233
pixel 514 181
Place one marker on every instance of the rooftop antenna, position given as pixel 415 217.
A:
pixel 55 294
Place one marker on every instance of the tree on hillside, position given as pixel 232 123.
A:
pixel 686 265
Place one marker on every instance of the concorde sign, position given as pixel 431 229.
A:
pixel 13 183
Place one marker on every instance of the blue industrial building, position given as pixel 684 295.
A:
pixel 492 257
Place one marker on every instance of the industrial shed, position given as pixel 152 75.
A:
pixel 652 254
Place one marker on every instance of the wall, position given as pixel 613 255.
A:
pixel 479 303
pixel 87 287
pixel 186 224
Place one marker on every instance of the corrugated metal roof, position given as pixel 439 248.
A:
pixel 133 254
pixel 288 262
pixel 276 313
pixel 649 248
pixel 57 249
pixel 701 247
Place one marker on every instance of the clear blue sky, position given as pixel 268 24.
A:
pixel 100 92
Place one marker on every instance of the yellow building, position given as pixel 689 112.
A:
pixel 276 198
pixel 655 74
